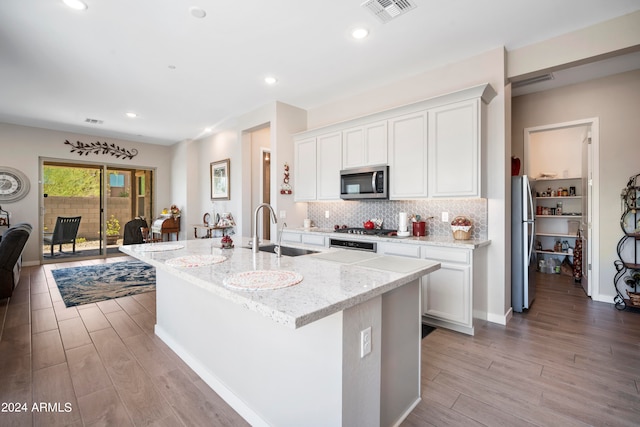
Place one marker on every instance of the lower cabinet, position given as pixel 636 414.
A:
pixel 457 293
pixel 446 296
pixel 314 239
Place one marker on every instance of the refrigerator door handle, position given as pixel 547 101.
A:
pixel 533 234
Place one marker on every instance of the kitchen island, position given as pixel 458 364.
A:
pixel 295 355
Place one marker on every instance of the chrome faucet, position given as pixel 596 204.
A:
pixel 278 248
pixel 254 242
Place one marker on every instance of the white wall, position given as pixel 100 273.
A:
pixel 556 151
pixel 600 40
pixel 22 147
pixel 614 100
pixel 232 140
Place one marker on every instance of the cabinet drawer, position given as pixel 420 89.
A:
pixel 447 254
pixel 399 249
pixel 291 237
pixel 313 239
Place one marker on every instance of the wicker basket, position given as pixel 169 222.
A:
pixel 461 235
pixel 634 298
pixel 461 232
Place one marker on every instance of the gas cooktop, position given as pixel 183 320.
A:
pixel 359 230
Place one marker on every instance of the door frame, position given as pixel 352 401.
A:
pixel 104 169
pixel 593 192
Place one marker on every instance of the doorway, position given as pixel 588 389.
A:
pixel 103 197
pixel 259 141
pixel 564 155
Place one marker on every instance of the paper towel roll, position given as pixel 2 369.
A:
pixel 402 221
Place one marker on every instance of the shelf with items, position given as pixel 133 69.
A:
pixel 557 223
pixel 628 249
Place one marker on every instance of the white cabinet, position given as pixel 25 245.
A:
pixel 408 156
pixel 329 163
pixel 454 150
pixel 304 185
pixel 399 249
pixel 317 168
pixel 452 295
pixel 364 145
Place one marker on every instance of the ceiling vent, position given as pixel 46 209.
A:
pixel 532 80
pixel 386 10
pixel 93 121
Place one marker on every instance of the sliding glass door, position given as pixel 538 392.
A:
pixel 103 197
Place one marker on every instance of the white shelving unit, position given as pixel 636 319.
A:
pixel 553 228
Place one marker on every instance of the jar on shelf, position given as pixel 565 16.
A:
pixel 559 208
pixel 558 246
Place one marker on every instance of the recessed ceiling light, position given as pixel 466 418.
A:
pixel 270 80
pixel 359 33
pixel 196 12
pixel 132 114
pixel 207 130
pixel 76 4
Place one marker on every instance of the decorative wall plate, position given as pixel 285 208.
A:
pixel 14 185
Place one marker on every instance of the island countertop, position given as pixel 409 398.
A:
pixel 333 279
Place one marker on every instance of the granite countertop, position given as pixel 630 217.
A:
pixel 333 279
pixel 426 240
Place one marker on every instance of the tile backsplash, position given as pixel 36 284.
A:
pixel 354 213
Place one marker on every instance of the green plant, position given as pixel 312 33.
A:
pixel 113 226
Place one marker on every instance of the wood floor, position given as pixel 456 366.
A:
pixel 569 361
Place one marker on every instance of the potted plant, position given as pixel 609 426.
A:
pixel 113 230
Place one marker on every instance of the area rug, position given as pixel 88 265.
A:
pixel 100 282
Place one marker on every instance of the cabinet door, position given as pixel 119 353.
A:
pixel 353 148
pixel 446 293
pixel 376 143
pixel 454 150
pixel 329 152
pixel 365 145
pixel 305 170
pixel 408 156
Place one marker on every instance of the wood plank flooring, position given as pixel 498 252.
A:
pixel 95 364
pixel 569 361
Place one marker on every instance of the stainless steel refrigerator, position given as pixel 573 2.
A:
pixel 523 257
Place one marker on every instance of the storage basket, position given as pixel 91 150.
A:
pixel 461 232
pixel 634 298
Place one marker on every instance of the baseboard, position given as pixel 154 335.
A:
pixel 500 319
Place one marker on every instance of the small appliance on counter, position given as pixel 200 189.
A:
pixel 403 230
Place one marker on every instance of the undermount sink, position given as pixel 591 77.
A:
pixel 286 250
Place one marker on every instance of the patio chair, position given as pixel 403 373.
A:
pixel 65 231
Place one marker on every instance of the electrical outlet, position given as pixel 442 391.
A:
pixel 445 216
pixel 365 342
pixel 326 214
pixel 283 214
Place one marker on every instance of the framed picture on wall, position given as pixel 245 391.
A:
pixel 220 180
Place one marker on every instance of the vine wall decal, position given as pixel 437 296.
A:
pixel 101 148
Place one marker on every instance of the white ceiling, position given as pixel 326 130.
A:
pixel 181 74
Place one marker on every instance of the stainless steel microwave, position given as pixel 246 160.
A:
pixel 365 183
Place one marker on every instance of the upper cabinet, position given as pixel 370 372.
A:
pixel 364 145
pixel 408 156
pixel 305 170
pixel 317 168
pixel 434 148
pixel 329 152
pixel 454 150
